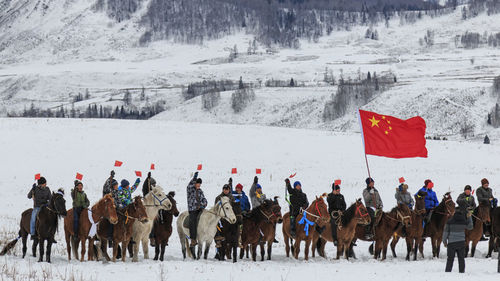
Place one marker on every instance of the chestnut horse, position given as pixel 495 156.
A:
pixel 434 229
pixel 346 228
pixel 268 229
pixel 388 224
pixel 316 213
pixel 255 227
pixel 104 209
pixel 480 216
pixel 163 227
pixel 413 235
pixel 122 231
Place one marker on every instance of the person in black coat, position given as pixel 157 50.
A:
pixel 148 185
pixel 298 200
pixel 336 205
pixel 454 238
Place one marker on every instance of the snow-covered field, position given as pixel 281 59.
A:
pixel 60 148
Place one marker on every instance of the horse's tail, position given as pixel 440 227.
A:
pixel 9 246
pixel 318 244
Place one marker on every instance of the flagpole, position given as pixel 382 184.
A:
pixel 364 147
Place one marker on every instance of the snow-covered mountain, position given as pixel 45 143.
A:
pixel 53 51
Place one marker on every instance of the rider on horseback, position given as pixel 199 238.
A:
pixel 467 200
pixel 80 202
pixel 256 195
pixel 485 195
pixel 124 193
pixel 41 197
pixel 196 203
pixel 226 192
pixel 148 184
pixel 374 205
pixel 298 201
pixel 336 205
pixel 431 200
pixel 108 184
pixel 403 196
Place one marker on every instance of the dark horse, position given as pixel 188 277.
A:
pixel 122 231
pixel 480 216
pixel 252 233
pixel 163 227
pixel 231 234
pixel 47 222
pixel 413 235
pixel 346 223
pixel 385 228
pixel 268 229
pixel 434 229
pixel 494 242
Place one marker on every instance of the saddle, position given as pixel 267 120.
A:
pixel 186 221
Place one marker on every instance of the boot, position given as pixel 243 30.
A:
pixel 193 243
pixel 218 241
pixel 368 232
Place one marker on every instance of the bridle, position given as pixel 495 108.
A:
pixel 268 217
pixel 311 214
pixel 448 212
pixel 55 210
pixel 106 208
pixel 221 205
pixel 160 201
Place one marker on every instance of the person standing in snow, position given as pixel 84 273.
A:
pixel 374 206
pixel 431 200
pixel 80 202
pixel 41 196
pixel 454 238
pixel 256 195
pixel 196 203
pixel 298 201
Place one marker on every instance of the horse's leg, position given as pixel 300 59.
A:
pixel 254 251
pixel 394 242
pixel 135 249
pixel 409 247
pixel 68 239
pixel 33 247
pixel 490 248
pixel 421 247
pixel 90 252
pixel 49 249
pixel 242 252
pixel 262 251
pixel 467 242
pixel 313 246
pixel 247 251
pixel 438 245
pixel 82 241
pixel 306 250
pixel 42 250
pixel 163 245
pixel 296 249
pixel 124 251
pixel 269 249
pixel 378 249
pixel 384 249
pixel 115 251
pixel 287 245
pixel 207 249
pixel 200 250
pixel 145 248
pixel 24 240
pixel 473 250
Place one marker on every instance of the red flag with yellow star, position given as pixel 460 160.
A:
pixel 388 136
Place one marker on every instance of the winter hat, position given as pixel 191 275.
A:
pixel 41 181
pixel 113 183
pixel 77 183
pixel 296 183
pixel 198 180
pixel 259 186
pixel 239 186
pixel 369 180
pixel 335 187
pixel 428 183
pixel 483 181
pixel 403 186
pixel 226 186
pixel 467 187
pixel 125 183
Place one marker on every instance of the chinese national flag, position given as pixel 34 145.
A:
pixel 392 137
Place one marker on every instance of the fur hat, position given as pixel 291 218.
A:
pixel 113 183
pixel 41 181
pixel 198 180
pixel 484 181
pixel 77 183
pixel 295 184
pixel 467 187
pixel 226 187
pixel 125 183
pixel 369 180
pixel 239 186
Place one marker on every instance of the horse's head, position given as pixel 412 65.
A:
pixel 361 213
pixel 277 210
pixel 448 203
pixel 483 213
pixel 404 214
pixel 225 210
pixel 137 210
pixel 319 209
pixel 237 211
pixel 420 202
pixel 59 203
pixel 173 210
pixel 156 197
pixel 106 208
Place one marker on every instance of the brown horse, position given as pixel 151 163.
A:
pixel 480 216
pixel 163 227
pixel 346 227
pixel 252 231
pixel 388 224
pixel 268 229
pixel 122 231
pixel 103 209
pixel 434 229
pixel 413 235
pixel 494 242
pixel 316 213
pixel 46 225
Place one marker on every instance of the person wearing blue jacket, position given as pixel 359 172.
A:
pixel 431 200
pixel 240 196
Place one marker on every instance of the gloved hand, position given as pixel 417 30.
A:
pixel 445 244
pixel 287 181
pixel 137 181
pixel 255 179
pixel 195 174
pixel 230 181
pixel 34 185
pixel 112 173
pixel 372 191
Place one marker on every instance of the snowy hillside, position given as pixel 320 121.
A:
pixel 52 51
pixel 59 148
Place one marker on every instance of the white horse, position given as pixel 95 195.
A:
pixel 154 201
pixel 207 226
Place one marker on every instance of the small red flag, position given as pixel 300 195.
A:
pixel 199 167
pixel 337 182
pixel 37 176
pixel 473 191
pixel 152 167
pixel 401 180
pixel 118 163
pixel 391 137
pixel 234 171
pixel 292 175
pixel 79 176
pixel 258 171
pixel 138 173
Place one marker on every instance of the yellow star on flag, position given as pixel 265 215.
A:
pixel 374 121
